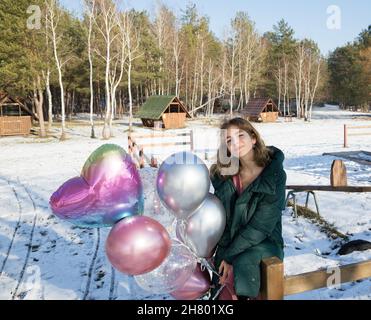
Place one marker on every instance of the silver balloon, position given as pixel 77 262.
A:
pixel 203 229
pixel 183 182
pixel 172 273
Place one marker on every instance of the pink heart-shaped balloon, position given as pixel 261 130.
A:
pixel 108 190
pixel 196 285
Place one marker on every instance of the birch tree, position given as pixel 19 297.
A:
pixel 90 12
pixel 106 22
pixel 132 43
pixel 122 55
pixel 46 75
pixel 177 47
pixel 286 95
pixel 307 76
pixel 53 18
pixel 231 62
pixel 298 78
pixel 315 86
pixel 39 101
pixel 162 13
pixel 278 75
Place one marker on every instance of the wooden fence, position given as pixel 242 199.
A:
pixel 274 285
pixel 154 147
pixel 15 125
pixel 174 120
pixel 269 116
pixel 347 134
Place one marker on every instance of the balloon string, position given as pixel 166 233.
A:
pixel 218 292
pixel 204 263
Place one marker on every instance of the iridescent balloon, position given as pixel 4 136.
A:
pixel 202 230
pixel 108 190
pixel 183 183
pixel 172 273
pixel 137 245
pixel 70 197
pixel 195 287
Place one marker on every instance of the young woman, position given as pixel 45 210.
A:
pixel 253 197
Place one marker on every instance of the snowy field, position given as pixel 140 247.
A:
pixel 42 257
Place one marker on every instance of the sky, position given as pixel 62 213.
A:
pixel 331 23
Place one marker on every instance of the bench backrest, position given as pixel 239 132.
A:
pixel 157 146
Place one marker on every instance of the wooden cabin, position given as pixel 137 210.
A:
pixel 261 110
pixel 163 112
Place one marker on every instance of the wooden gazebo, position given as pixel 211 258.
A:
pixel 13 119
pixel 163 112
pixel 261 109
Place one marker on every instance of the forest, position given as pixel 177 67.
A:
pixel 109 59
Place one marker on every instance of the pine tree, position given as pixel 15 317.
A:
pixel 22 52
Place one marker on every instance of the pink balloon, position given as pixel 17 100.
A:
pixel 137 245
pixel 196 285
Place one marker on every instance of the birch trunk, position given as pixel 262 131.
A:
pixel 53 23
pixel 39 100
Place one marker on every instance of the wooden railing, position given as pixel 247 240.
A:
pixel 151 148
pixel 347 134
pixel 275 285
pixel 154 147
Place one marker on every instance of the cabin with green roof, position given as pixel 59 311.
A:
pixel 163 112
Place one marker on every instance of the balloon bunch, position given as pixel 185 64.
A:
pixel 160 235
pixel 183 187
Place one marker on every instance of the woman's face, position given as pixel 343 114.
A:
pixel 239 142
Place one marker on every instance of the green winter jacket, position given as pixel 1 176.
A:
pixel 253 224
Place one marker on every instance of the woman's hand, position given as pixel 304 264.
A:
pixel 224 271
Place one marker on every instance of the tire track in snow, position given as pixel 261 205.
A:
pixel 15 229
pixel 112 285
pixel 92 264
pixel 29 246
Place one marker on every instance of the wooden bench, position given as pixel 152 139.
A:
pixel 338 179
pixel 151 148
pixel 144 147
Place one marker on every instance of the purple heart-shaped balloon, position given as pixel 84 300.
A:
pixel 108 190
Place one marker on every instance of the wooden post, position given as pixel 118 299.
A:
pixel 338 176
pixel 345 136
pixel 191 140
pixel 272 279
pixel 141 158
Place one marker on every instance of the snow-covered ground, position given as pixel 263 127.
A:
pixel 42 257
